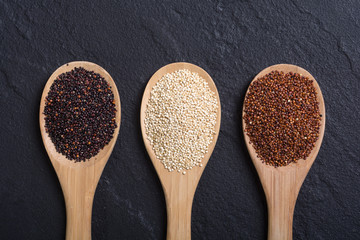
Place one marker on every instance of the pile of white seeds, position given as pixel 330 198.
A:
pixel 180 119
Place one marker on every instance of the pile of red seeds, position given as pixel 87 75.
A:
pixel 80 114
pixel 282 117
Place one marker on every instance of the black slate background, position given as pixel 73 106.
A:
pixel 232 41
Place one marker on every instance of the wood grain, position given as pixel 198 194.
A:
pixel 179 189
pixel 282 184
pixel 79 180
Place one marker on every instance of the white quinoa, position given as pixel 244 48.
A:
pixel 180 119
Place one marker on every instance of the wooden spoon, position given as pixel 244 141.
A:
pixel 179 189
pixel 79 180
pixel 282 184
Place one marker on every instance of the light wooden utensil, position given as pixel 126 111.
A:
pixel 79 180
pixel 179 189
pixel 282 184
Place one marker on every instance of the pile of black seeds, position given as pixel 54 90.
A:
pixel 282 117
pixel 80 114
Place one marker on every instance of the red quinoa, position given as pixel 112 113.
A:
pixel 282 117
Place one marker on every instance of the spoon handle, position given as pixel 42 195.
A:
pixel 78 211
pixel 79 189
pixel 179 200
pixel 281 195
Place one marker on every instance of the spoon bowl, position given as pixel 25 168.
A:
pixel 78 180
pixel 282 184
pixel 179 189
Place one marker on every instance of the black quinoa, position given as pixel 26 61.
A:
pixel 80 114
pixel 282 117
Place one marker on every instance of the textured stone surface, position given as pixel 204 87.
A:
pixel 232 41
